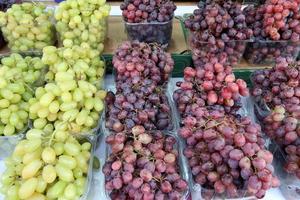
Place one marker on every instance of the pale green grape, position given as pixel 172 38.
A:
pixel 27 188
pixel 31 169
pixel 49 174
pixel 48 155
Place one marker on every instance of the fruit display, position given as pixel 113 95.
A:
pixel 82 62
pixel 18 76
pixel 47 169
pixel 27 27
pixel 143 165
pixel 149 21
pixel 280 91
pixel 217 29
pixel 80 22
pixel 276 28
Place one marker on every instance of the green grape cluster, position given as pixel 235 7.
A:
pixel 27 27
pixel 18 75
pixel 47 168
pixel 82 21
pixel 82 61
pixel 74 106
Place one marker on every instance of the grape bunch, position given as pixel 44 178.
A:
pixel 281 19
pixel 137 61
pixel 218 29
pixel 81 61
pixel 278 85
pixel 213 84
pixel 227 155
pixel 71 105
pixel 42 168
pixel 27 27
pixel 18 77
pixel 272 41
pixel 143 165
pixel 80 22
pixel 125 110
pixel 137 11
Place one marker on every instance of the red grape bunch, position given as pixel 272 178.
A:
pixel 227 155
pixel 136 61
pixel 214 84
pixel 265 21
pixel 277 19
pixel 145 168
pixel 279 85
pixel 137 11
pixel 218 29
pixel 124 111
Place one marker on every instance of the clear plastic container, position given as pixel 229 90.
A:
pixel 202 51
pixel 7 146
pixel 150 32
pixel 183 170
pixel 289 183
pixel 265 52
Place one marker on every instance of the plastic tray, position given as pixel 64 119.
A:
pixel 203 51
pixel 180 159
pixel 152 32
pixel 265 52
pixel 7 146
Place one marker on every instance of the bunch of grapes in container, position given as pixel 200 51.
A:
pixel 276 28
pixel 143 165
pixel 281 93
pixel 72 100
pixel 80 22
pixel 4 5
pixel 217 29
pixel 149 21
pixel 27 27
pixel 225 152
pixel 19 76
pixel 143 161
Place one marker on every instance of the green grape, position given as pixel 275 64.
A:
pixel 48 155
pixel 27 188
pixel 67 161
pixel 31 169
pixel 56 190
pixel 27 27
pixel 49 174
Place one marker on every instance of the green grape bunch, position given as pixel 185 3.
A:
pixel 82 61
pixel 43 167
pixel 28 27
pixel 18 75
pixel 82 21
pixel 73 106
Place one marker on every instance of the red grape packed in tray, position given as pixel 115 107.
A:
pixel 276 29
pixel 218 29
pixel 136 61
pixel 144 165
pixel 149 20
pixel 279 89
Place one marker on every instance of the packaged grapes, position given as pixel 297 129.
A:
pixel 39 168
pixel 80 22
pixel 28 27
pixel 149 21
pixel 151 165
pixel 19 77
pixel 276 27
pixel 218 29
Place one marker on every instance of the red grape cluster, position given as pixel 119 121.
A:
pixel 124 111
pixel 213 84
pixel 218 29
pixel 227 155
pixel 279 88
pixel 136 61
pixel 265 21
pixel 143 166
pixel 281 19
pixel 137 11
pixel 278 85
